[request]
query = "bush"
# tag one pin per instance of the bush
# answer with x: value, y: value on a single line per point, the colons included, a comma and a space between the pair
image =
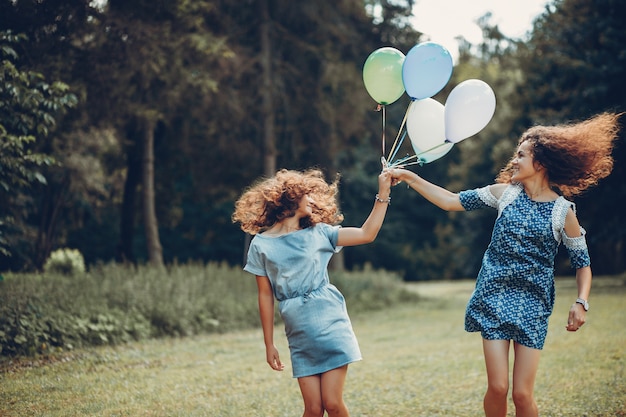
x: 112, y: 304
x: 369, y: 289
x: 65, y: 261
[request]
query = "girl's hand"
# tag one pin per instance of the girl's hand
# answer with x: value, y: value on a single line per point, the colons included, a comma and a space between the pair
x: 273, y: 359
x: 384, y: 183
x: 399, y: 175
x: 576, y: 318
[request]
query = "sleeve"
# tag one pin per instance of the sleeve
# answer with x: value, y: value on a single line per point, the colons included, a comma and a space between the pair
x: 254, y: 261
x: 477, y: 198
x: 332, y: 233
x: 577, y: 249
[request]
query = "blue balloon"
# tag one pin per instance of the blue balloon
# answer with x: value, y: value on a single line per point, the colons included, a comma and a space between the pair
x: 427, y: 68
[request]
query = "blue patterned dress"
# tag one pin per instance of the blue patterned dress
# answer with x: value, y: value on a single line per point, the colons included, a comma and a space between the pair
x: 514, y: 293
x: 313, y: 310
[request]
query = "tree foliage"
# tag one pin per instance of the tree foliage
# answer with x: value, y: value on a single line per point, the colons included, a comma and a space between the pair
x: 224, y: 90
x: 29, y: 106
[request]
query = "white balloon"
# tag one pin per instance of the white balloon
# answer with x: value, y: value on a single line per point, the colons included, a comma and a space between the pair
x: 426, y: 129
x: 469, y: 108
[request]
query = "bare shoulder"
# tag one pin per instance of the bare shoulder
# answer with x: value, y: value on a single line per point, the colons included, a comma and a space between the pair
x: 497, y: 189
x: 572, y: 226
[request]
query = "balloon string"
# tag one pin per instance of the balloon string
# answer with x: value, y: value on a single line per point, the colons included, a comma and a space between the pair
x: 432, y: 149
x: 393, y: 147
x: 398, y: 148
x: 420, y: 162
x: 384, y: 127
x: 401, y: 161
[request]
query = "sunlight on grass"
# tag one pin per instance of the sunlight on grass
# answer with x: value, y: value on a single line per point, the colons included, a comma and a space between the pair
x: 418, y: 361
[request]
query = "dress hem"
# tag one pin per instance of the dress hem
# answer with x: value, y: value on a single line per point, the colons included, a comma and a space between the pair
x: 326, y: 369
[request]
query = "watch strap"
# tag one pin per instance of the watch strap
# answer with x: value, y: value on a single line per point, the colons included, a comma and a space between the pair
x: 584, y: 303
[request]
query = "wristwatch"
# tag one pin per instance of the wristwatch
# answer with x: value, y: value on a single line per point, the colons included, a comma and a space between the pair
x: 583, y: 303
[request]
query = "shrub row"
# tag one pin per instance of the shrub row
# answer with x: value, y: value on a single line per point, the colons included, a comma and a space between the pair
x: 112, y: 304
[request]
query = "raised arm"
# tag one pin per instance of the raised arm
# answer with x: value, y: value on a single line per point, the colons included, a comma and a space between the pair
x: 437, y: 195
x: 352, y: 236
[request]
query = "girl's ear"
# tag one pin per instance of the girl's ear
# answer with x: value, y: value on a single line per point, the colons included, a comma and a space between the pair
x: 539, y: 167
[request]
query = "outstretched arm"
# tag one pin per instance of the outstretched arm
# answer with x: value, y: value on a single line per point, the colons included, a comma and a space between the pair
x: 352, y: 236
x: 437, y: 195
x: 266, y: 311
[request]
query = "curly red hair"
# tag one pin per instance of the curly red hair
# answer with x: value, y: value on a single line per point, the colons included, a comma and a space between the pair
x: 576, y: 156
x: 271, y: 200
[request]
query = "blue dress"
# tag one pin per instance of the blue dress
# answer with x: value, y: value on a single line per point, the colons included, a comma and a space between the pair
x: 514, y: 293
x: 313, y: 310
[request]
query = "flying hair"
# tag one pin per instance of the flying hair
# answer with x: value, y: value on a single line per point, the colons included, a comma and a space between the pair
x: 576, y: 155
x: 271, y: 200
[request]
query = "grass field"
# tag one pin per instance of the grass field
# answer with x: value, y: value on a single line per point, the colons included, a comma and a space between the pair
x: 418, y: 361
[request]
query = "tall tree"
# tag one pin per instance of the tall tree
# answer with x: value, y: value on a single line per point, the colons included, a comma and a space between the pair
x: 267, y: 107
x: 146, y: 57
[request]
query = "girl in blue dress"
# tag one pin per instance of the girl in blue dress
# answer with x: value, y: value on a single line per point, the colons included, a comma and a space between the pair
x: 294, y: 217
x: 514, y: 293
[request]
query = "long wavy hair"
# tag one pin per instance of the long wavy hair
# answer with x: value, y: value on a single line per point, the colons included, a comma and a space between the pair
x: 576, y: 155
x: 271, y: 200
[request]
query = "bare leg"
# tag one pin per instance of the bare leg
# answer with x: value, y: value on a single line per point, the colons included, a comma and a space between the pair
x: 332, y: 392
x: 524, y: 373
x: 497, y: 363
x: 311, y: 389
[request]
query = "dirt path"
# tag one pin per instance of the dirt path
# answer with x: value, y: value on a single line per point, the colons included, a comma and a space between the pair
x: 464, y: 288
x: 439, y: 289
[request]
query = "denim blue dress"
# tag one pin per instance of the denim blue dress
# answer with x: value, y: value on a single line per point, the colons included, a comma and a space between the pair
x: 514, y: 294
x: 317, y: 324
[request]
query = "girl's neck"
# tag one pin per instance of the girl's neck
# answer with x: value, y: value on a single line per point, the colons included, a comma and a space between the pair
x: 539, y: 190
x: 285, y: 226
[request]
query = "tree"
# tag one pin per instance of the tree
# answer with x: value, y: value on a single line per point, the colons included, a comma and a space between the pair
x: 29, y: 107
x: 162, y: 51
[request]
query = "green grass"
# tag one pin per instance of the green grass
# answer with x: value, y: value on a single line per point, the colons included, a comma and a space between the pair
x: 418, y: 361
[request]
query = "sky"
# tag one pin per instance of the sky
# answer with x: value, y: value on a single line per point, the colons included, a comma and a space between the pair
x: 443, y: 20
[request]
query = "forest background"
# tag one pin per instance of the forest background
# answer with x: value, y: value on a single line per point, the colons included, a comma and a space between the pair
x: 128, y: 128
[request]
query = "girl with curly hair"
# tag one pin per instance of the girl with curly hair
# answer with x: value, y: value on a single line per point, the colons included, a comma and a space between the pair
x: 514, y: 293
x: 294, y: 217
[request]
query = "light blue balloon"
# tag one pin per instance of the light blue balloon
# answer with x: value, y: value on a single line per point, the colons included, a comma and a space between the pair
x: 427, y: 68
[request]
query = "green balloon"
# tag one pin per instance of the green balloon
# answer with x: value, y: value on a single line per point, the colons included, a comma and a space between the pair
x: 382, y: 75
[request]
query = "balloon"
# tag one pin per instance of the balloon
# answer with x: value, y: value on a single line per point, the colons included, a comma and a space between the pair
x: 382, y: 75
x: 469, y: 108
x: 426, y: 70
x: 426, y: 129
